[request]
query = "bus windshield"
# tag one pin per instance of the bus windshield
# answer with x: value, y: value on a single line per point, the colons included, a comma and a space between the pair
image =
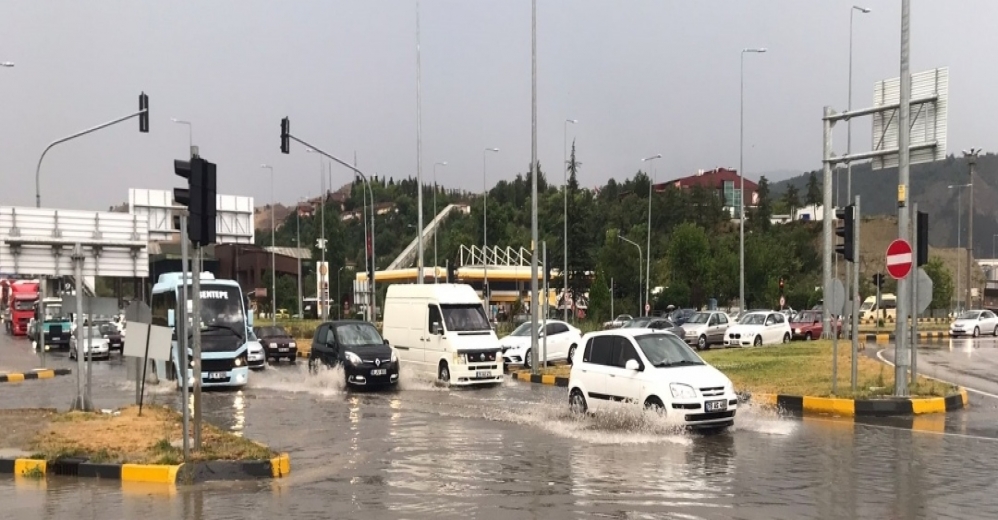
x: 221, y: 309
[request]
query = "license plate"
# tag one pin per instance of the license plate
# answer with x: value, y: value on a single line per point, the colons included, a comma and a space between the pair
x: 379, y: 372
x: 483, y: 374
x: 217, y: 375
x: 282, y: 349
x: 716, y: 406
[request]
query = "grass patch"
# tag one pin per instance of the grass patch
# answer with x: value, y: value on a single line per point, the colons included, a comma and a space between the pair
x: 806, y: 369
x: 128, y: 438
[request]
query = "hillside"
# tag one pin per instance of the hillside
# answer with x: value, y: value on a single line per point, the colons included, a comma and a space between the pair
x: 929, y: 189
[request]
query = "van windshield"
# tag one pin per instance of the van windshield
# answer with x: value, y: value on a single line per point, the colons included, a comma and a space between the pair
x: 867, y: 306
x: 468, y: 317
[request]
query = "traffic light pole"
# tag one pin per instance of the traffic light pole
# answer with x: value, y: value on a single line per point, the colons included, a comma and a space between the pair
x: 196, y: 270
x: 914, y: 292
x: 854, y: 329
x: 180, y: 323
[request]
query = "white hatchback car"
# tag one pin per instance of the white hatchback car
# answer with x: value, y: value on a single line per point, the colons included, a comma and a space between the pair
x: 92, y: 339
x: 654, y: 369
x: 759, y: 328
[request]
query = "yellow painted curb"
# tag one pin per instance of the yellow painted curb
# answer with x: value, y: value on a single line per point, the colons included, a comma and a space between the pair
x: 280, y: 466
x: 830, y: 405
x: 15, y: 378
x: 45, y: 374
x: 24, y: 466
x: 930, y: 405
x: 547, y: 379
x: 149, y: 473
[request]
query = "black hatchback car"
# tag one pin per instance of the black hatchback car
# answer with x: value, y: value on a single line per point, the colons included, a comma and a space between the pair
x: 358, y: 347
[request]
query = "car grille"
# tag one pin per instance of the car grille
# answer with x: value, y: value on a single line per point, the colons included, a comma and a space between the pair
x: 709, y: 416
x: 712, y: 391
x: 735, y: 336
x: 216, y: 365
x: 480, y: 356
x: 374, y: 361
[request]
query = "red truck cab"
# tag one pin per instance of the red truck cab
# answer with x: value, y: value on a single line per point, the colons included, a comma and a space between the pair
x: 22, y: 298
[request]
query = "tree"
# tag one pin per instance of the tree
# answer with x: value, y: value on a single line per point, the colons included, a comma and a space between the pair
x: 813, y: 192
x: 792, y: 200
x: 599, y: 299
x: 764, y: 208
x: 690, y: 261
x: 942, y: 284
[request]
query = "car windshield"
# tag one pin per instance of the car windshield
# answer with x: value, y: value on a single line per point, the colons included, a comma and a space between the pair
x: 969, y: 315
x: 267, y: 332
x: 522, y: 330
x: 804, y: 317
x: 358, y: 335
x: 86, y: 332
x: 753, y: 319
x: 107, y: 328
x: 700, y: 317
x: 468, y: 317
x: 666, y: 350
x: 637, y: 323
x: 23, y: 305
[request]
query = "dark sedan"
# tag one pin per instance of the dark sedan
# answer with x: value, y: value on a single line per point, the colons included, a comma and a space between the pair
x: 655, y: 324
x: 277, y: 343
x: 110, y: 332
x: 365, y: 356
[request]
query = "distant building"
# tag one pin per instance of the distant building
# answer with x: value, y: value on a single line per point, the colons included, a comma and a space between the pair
x: 725, y: 182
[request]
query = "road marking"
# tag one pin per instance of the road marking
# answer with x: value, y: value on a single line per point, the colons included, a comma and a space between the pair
x: 880, y: 356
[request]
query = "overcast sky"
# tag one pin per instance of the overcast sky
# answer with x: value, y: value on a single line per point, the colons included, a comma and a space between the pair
x: 642, y: 77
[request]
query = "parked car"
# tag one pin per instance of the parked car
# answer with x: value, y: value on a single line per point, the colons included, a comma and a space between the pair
x: 681, y: 316
x: 705, y: 329
x: 974, y: 323
x: 653, y: 369
x: 618, y: 322
x: 367, y: 358
x: 277, y: 343
x: 256, y: 356
x: 742, y: 314
x: 807, y: 325
x: 562, y: 341
x: 759, y: 328
x: 655, y: 324
x: 93, y: 343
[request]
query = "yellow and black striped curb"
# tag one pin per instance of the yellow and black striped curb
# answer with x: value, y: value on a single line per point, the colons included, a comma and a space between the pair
x: 888, y: 406
x: 276, y: 467
x: 35, y: 374
x: 541, y: 379
x: 889, y: 338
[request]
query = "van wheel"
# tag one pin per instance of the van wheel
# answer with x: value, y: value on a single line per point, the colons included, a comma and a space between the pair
x: 577, y: 401
x: 758, y: 341
x: 654, y: 404
x: 702, y: 343
x: 443, y: 373
x: 571, y: 350
x: 786, y: 338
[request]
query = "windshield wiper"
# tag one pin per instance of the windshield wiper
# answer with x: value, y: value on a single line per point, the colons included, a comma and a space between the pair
x: 219, y: 326
x: 677, y: 363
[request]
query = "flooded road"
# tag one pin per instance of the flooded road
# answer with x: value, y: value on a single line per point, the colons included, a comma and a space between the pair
x: 513, y: 451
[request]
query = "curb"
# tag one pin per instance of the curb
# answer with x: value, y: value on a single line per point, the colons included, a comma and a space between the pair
x: 541, y: 379
x: 889, y: 338
x: 197, y: 472
x: 40, y: 373
x: 801, y: 405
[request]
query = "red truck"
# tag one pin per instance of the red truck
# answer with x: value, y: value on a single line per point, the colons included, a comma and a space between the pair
x: 23, y: 295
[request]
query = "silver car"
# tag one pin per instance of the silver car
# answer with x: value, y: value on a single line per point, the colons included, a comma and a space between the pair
x: 93, y: 342
x: 705, y: 329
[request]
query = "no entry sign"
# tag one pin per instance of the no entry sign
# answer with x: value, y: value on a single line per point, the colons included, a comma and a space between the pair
x: 899, y: 259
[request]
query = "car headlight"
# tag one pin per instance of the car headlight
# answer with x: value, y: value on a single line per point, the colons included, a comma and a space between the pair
x: 395, y: 357
x: 352, y: 358
x: 292, y: 344
x: 239, y: 362
x: 105, y: 336
x: 460, y: 359
x: 681, y: 391
x: 796, y: 331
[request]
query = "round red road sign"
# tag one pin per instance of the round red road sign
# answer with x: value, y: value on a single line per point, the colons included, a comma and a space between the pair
x: 899, y: 259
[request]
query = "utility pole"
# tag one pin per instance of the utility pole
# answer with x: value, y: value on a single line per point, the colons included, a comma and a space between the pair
x: 534, y: 301
x: 904, y: 145
x: 419, y: 161
x: 971, y: 156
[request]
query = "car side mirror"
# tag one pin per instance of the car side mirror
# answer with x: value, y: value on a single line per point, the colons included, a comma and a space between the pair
x: 386, y: 341
x: 436, y: 328
x: 632, y: 364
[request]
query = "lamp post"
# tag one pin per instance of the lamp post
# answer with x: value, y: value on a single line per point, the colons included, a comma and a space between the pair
x: 339, y: 294
x: 564, y: 274
x: 971, y: 156
x: 635, y: 244
x: 273, y: 262
x: 435, y: 264
x: 485, y: 230
x: 959, y: 227
x: 852, y: 12
x: 190, y: 133
x: 298, y: 254
x: 651, y: 186
x: 741, y: 176
x: 7, y: 64
x: 323, y: 302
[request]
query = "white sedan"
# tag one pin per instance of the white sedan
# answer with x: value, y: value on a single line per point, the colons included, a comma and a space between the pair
x: 759, y: 328
x: 92, y: 339
x: 562, y: 341
x: 974, y: 323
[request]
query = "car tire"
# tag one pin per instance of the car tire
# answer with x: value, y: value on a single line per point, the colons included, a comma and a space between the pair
x: 313, y: 365
x: 571, y: 350
x: 757, y: 342
x: 702, y: 343
x: 654, y: 404
x: 443, y: 372
x: 526, y: 359
x: 996, y: 331
x: 577, y: 402
x: 786, y: 338
x: 807, y: 336
x: 977, y: 331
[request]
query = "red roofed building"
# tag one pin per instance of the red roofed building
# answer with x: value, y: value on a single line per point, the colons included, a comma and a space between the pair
x: 726, y: 183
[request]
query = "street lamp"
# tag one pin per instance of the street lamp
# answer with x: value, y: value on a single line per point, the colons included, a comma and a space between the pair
x: 8, y: 64
x: 635, y: 244
x: 741, y: 175
x: 298, y: 254
x: 435, y: 264
x: 651, y: 186
x: 273, y: 263
x: 958, y: 230
x: 323, y: 302
x: 564, y: 274
x: 971, y: 156
x: 485, y: 231
x: 852, y: 12
x: 190, y: 132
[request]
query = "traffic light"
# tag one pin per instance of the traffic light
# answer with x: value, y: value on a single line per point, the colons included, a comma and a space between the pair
x: 199, y: 197
x: 144, y: 116
x: 844, y: 228
x: 781, y: 285
x: 922, y: 238
x: 285, y: 135
x: 878, y: 280
x: 209, y: 208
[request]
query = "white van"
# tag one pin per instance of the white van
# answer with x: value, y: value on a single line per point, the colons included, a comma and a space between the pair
x: 443, y: 329
x: 887, y: 309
